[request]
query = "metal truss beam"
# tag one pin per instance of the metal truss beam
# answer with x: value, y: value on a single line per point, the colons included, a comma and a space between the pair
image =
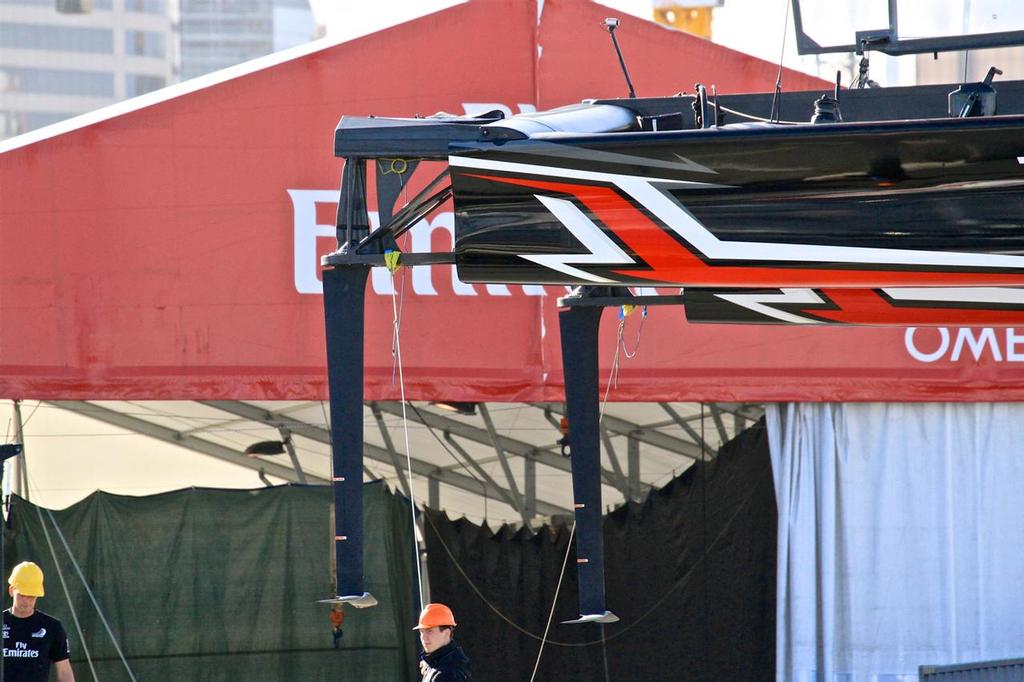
x: 633, y: 466
x: 378, y: 454
x: 480, y: 471
x: 180, y: 439
x: 685, y: 426
x: 392, y: 453
x: 513, y: 489
x: 478, y: 435
x: 742, y: 413
x: 286, y: 439
x: 716, y: 416
x: 433, y: 492
x: 623, y: 484
x: 530, y: 473
x: 643, y: 434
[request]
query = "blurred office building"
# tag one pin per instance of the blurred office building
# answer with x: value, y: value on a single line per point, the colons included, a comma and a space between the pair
x: 216, y: 34
x: 61, y: 58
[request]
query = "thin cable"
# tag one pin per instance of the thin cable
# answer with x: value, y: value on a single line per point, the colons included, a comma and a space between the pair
x: 401, y: 296
x: 704, y: 534
x: 67, y: 595
x: 760, y: 119
x: 620, y: 345
x: 639, y: 331
x: 613, y: 378
x: 777, y: 112
x: 604, y: 653
x: 92, y: 597
x: 613, y: 374
x: 397, y: 324
x: 405, y: 429
x: 60, y: 573
x: 401, y: 299
x: 85, y: 405
x: 568, y: 548
x: 327, y: 422
x: 29, y: 417
x: 682, y: 582
x: 554, y: 602
x: 484, y: 599
x: 447, y: 449
x: 544, y: 638
x: 966, y: 24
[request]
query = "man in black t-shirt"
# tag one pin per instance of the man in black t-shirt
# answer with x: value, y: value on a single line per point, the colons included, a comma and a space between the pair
x: 32, y: 639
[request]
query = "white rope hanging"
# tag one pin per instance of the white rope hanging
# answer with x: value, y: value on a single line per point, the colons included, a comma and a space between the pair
x: 397, y: 350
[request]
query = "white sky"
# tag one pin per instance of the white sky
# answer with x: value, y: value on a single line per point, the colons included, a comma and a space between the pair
x: 751, y: 26
x: 345, y: 20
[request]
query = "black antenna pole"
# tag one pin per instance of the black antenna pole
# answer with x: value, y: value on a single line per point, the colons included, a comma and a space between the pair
x: 611, y: 23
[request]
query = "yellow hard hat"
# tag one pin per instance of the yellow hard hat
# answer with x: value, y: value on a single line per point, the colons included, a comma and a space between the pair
x: 27, y: 579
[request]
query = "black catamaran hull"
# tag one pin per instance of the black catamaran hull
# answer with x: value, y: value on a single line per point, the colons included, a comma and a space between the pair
x: 875, y: 223
x: 910, y: 216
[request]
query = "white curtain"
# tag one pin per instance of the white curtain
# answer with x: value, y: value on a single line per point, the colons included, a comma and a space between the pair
x: 901, y: 537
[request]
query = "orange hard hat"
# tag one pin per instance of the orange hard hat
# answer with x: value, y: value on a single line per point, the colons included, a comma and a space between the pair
x: 435, y: 615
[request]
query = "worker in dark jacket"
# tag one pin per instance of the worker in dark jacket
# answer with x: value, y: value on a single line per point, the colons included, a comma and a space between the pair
x: 442, y: 659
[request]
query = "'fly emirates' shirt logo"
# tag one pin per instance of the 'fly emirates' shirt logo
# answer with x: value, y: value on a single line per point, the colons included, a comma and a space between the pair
x: 20, y: 650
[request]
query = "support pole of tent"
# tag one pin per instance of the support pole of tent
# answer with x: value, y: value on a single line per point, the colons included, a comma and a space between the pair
x: 344, y: 296
x: 19, y: 467
x: 579, y: 327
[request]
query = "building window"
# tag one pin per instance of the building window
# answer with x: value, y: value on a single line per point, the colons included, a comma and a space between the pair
x: 49, y: 4
x: 12, y: 123
x: 59, y: 82
x: 17, y: 122
x: 144, y: 43
x: 64, y: 38
x: 38, y: 119
x: 147, y: 6
x: 136, y: 84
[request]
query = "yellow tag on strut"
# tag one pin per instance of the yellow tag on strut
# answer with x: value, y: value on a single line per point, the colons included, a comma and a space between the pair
x: 392, y: 260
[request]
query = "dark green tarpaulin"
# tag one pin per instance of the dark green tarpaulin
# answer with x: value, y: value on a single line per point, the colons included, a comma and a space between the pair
x: 222, y: 585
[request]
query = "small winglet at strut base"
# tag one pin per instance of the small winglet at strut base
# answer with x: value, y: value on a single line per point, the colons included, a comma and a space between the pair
x: 606, y: 617
x: 360, y: 601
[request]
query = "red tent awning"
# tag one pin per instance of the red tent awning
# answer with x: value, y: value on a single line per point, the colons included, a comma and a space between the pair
x: 171, y: 251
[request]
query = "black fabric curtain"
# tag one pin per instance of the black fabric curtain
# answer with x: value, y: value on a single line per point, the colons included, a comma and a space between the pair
x: 222, y: 585
x: 690, y: 572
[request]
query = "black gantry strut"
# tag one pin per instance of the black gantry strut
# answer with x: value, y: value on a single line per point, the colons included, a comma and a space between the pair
x: 344, y: 315
x: 345, y: 274
x: 578, y: 327
x: 344, y: 295
x: 344, y: 278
